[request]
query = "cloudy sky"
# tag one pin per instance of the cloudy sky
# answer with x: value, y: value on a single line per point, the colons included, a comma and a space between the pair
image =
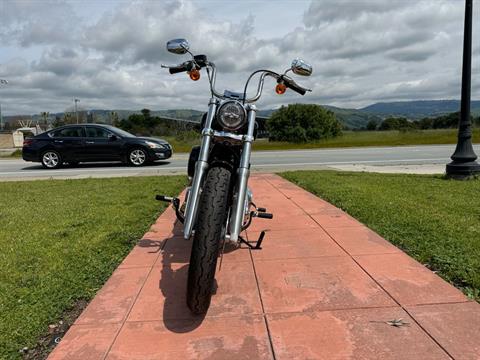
x: 108, y: 53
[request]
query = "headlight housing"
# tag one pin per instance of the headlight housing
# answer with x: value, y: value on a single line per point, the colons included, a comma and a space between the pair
x: 154, y: 145
x: 231, y: 115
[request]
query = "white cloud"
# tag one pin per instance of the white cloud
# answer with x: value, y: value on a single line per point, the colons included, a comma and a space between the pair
x: 361, y: 51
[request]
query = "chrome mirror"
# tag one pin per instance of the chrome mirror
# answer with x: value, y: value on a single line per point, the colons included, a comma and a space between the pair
x: 300, y: 67
x: 178, y: 46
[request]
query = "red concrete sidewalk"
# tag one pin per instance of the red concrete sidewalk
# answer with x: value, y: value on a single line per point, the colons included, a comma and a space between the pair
x: 323, y: 287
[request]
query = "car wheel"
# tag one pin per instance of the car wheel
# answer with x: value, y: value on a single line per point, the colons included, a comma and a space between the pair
x: 137, y: 157
x: 51, y: 159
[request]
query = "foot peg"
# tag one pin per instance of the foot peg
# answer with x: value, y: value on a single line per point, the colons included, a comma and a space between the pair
x: 263, y: 215
x: 261, y: 212
x: 175, y: 203
x: 254, y: 245
x: 258, y: 212
x: 164, y: 198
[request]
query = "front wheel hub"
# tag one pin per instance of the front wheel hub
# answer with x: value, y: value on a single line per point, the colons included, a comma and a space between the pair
x: 137, y: 157
x: 50, y: 159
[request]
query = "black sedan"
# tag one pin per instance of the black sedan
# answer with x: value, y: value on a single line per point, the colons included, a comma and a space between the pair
x: 93, y: 142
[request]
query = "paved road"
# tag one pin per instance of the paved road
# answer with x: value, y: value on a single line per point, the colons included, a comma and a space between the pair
x: 262, y: 161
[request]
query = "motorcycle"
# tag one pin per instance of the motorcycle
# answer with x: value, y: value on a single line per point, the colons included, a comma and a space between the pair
x: 218, y: 203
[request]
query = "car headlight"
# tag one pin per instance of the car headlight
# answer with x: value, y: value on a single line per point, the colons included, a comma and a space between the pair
x: 231, y: 115
x: 153, y: 145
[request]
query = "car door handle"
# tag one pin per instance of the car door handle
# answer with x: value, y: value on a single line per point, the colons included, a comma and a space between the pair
x: 90, y: 142
x: 58, y: 141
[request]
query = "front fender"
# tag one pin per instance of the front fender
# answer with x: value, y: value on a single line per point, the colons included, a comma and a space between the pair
x: 227, y: 156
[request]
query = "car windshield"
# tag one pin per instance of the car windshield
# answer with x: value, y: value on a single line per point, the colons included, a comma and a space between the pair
x: 120, y: 132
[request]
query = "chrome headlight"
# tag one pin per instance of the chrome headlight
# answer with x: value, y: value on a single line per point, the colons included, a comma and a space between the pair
x: 231, y: 115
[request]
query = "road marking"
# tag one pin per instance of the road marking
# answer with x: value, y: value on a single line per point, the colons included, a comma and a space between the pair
x: 79, y: 171
x: 365, y: 149
x: 42, y: 172
x: 351, y: 162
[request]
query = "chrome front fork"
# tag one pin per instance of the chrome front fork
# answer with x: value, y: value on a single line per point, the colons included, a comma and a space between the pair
x: 238, y: 207
x: 200, y: 170
x: 201, y: 167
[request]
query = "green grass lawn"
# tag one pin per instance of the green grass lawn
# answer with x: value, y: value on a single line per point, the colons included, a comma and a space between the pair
x: 352, y: 139
x: 437, y: 221
x: 59, y: 242
x: 16, y: 154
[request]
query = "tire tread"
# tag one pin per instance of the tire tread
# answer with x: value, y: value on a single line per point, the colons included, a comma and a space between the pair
x: 211, y: 218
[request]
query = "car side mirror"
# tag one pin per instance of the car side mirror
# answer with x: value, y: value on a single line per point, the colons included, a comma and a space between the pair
x: 112, y: 137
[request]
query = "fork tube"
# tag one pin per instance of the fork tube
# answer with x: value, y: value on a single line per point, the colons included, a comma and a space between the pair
x: 243, y: 174
x: 200, y: 170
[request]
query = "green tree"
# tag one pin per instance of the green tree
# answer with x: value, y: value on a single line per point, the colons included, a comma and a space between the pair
x: 58, y: 121
x: 45, y: 115
x: 113, y: 118
x: 425, y: 123
x: 146, y: 113
x: 148, y: 125
x: 371, y: 125
x: 302, y: 123
x: 447, y: 121
x: 69, y: 118
x: 394, y: 123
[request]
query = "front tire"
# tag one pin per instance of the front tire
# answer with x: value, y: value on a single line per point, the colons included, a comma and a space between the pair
x: 137, y: 157
x: 51, y: 159
x: 210, y: 228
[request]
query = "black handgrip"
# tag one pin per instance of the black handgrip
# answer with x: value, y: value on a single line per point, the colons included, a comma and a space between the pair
x: 178, y: 69
x: 264, y: 215
x: 294, y: 86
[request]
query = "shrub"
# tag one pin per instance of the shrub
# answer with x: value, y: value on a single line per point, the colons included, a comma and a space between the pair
x: 301, y: 123
x: 187, y: 136
x: 399, y: 123
x: 371, y: 125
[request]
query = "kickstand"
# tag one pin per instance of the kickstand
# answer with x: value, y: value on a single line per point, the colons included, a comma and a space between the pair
x: 254, y: 245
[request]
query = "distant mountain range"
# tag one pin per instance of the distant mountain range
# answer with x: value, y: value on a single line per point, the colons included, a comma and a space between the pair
x: 413, y: 110
x: 351, y: 118
x: 417, y: 109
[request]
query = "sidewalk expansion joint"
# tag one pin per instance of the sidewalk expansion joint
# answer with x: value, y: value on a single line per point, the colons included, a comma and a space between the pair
x: 261, y: 304
x: 368, y: 274
x: 133, y: 303
x: 128, y: 314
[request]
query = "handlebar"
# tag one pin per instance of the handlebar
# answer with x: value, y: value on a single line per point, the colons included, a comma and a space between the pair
x: 200, y: 61
x: 291, y: 84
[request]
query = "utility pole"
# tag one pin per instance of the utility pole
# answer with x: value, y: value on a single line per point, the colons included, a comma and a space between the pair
x: 2, y: 82
x: 463, y: 163
x: 76, y: 113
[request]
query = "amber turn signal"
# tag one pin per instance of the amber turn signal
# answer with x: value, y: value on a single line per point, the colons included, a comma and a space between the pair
x: 280, y: 89
x: 194, y: 74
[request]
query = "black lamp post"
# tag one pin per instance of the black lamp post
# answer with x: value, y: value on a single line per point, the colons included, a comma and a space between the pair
x: 463, y: 163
